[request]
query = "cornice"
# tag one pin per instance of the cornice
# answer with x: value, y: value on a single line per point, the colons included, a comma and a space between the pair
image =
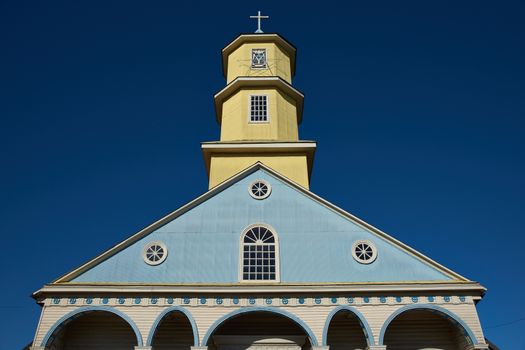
x: 473, y: 288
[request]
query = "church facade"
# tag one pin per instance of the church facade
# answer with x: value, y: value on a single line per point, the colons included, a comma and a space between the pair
x: 259, y: 261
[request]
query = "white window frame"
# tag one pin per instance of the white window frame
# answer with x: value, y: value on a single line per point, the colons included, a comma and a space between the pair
x: 250, y: 121
x: 277, y: 256
x: 265, y: 55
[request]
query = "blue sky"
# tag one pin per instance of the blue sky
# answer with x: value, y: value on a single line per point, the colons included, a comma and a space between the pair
x: 418, y: 108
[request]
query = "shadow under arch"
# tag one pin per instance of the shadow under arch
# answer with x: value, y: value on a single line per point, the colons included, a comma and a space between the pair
x: 362, y: 321
x: 64, y: 320
x: 253, y: 309
x: 449, y: 315
x: 165, y: 313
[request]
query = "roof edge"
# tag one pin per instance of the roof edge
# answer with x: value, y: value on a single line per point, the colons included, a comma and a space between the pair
x: 217, y: 189
x: 366, y: 287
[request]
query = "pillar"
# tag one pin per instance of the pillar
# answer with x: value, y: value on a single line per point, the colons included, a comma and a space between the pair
x: 376, y: 347
x: 479, y: 346
x: 142, y: 347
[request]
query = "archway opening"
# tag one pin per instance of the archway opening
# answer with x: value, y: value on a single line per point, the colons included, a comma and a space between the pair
x: 345, y: 332
x: 259, y: 330
x: 174, y: 332
x: 93, y: 330
x: 424, y: 329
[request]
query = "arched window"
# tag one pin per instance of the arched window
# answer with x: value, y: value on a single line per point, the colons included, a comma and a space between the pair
x: 259, y: 254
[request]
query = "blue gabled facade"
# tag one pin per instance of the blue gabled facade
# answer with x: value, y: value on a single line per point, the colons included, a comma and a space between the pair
x: 314, y: 241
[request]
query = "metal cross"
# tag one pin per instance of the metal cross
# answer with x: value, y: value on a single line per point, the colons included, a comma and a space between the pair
x: 259, y: 17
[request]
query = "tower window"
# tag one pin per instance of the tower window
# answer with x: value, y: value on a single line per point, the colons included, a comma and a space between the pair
x: 259, y: 255
x: 259, y: 58
x: 258, y: 108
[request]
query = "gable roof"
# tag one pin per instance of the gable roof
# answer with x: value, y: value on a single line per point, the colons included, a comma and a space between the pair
x: 455, y: 277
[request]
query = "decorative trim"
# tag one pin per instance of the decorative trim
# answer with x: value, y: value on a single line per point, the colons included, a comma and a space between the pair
x: 87, y: 309
x: 167, y: 311
x: 260, y: 300
x: 241, y: 311
x: 362, y: 321
x: 447, y: 314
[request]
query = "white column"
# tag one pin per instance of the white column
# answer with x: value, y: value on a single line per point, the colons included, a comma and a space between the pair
x: 478, y: 347
x: 37, y: 348
x: 198, y: 348
x: 142, y: 347
x: 376, y: 347
x: 320, y: 347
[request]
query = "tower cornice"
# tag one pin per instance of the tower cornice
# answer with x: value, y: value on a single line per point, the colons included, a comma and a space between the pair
x: 257, y: 147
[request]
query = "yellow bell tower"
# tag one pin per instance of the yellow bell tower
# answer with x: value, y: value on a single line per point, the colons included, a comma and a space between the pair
x: 259, y: 111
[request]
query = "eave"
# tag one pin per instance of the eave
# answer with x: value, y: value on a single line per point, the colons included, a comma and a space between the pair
x: 466, y: 287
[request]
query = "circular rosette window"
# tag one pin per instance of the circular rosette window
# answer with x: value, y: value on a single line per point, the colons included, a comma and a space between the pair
x: 259, y: 189
x: 154, y: 253
x: 364, y: 252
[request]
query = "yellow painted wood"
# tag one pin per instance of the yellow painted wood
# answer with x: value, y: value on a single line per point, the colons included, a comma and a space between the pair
x: 284, y: 108
x: 293, y: 166
x: 239, y: 62
x: 281, y: 124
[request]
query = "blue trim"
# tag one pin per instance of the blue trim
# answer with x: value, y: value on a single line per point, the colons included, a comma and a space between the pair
x: 362, y: 321
x: 433, y: 308
x: 164, y: 314
x: 87, y: 309
x: 244, y: 310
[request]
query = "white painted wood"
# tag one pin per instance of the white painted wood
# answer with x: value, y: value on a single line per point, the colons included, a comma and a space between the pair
x: 313, y: 315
